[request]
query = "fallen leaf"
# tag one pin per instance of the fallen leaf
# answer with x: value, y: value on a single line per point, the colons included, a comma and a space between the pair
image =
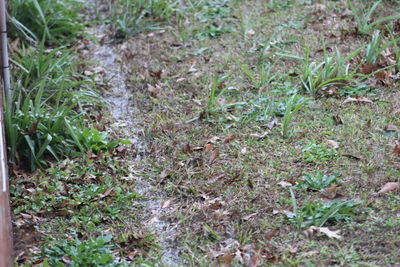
x: 360, y: 99
x: 166, y: 204
x: 389, y: 187
x: 107, y: 193
x: 390, y: 128
x: 19, y: 222
x: 260, y: 136
x: 255, y: 259
x: 225, y: 260
x: 285, y: 184
x: 155, y: 91
x: 332, y: 143
x: 214, y: 156
x: 229, y: 139
x: 337, y: 119
x: 247, y: 217
x: 208, y: 147
x: 213, y: 140
x: 187, y: 149
x: 331, y: 189
x: 250, y: 32
x: 273, y: 124
x: 324, y: 230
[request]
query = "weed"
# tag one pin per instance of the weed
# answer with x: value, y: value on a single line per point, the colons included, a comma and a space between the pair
x: 363, y: 17
x: 45, y: 105
x: 129, y: 17
x: 212, y: 31
x: 260, y: 78
x: 318, y: 77
x: 293, y: 106
x: 318, y: 153
x: 318, y: 181
x: 93, y: 252
x: 320, y: 214
x: 374, y: 48
x: 54, y: 21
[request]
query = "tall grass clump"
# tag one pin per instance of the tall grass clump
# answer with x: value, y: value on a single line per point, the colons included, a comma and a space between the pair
x: 363, y: 16
x: 45, y: 118
x: 55, y: 21
x: 333, y: 70
x: 129, y: 17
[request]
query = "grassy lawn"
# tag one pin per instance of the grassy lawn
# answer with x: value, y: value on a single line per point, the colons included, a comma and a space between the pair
x: 267, y: 130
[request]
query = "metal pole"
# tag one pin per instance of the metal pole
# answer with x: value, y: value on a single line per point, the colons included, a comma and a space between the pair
x: 6, y: 244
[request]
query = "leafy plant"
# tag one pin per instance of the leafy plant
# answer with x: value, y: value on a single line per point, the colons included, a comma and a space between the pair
x: 321, y: 214
x: 54, y: 21
x: 92, y: 252
x: 212, y: 31
x: 293, y: 106
x: 259, y: 78
x: 129, y: 17
x: 374, y: 48
x: 318, y: 181
x: 318, y: 153
x: 333, y: 70
x: 364, y: 15
x: 44, y: 103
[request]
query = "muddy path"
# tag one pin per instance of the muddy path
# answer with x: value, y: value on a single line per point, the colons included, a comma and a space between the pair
x: 110, y: 66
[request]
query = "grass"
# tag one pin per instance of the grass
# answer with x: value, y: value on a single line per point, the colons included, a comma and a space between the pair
x: 233, y: 121
x: 251, y: 166
x: 53, y: 21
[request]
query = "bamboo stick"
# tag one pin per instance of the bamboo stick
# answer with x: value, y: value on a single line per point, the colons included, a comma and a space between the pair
x: 6, y: 245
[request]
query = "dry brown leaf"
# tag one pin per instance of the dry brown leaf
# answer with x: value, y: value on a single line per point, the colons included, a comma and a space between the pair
x: 208, y: 147
x: 324, y: 230
x: 255, y: 259
x: 285, y: 184
x: 390, y: 128
x: 107, y: 193
x: 166, y: 203
x: 213, y: 140
x: 225, y: 260
x: 389, y: 187
x: 396, y: 149
x: 214, y: 156
x: 360, y: 99
x: 332, y: 143
x: 229, y: 139
x: 155, y: 91
x: 337, y: 119
x: 247, y: 217
x: 187, y: 149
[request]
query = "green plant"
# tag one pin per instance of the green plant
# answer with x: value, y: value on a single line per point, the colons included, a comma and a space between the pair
x: 317, y: 77
x: 129, y: 17
x: 363, y: 17
x: 321, y: 214
x: 212, y: 31
x: 293, y: 105
x: 54, y: 21
x: 92, y: 252
x: 318, y: 153
x: 215, y: 93
x: 318, y: 181
x: 45, y: 101
x: 374, y: 48
x: 259, y: 78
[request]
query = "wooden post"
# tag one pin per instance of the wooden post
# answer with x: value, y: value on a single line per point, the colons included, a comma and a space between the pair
x: 6, y: 244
